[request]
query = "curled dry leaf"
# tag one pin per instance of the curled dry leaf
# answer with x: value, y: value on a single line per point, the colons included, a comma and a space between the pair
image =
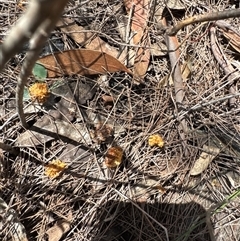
x: 156, y: 140
x: 54, y: 168
x: 82, y: 62
x: 113, y: 158
x: 201, y: 164
x: 39, y: 92
x: 234, y: 39
x: 56, y: 232
x: 86, y: 38
x: 138, y: 26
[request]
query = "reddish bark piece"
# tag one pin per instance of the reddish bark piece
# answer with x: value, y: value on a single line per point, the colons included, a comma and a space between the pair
x: 82, y: 62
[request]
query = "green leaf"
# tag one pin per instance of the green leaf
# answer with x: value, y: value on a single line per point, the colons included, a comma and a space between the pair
x: 39, y: 72
x: 26, y: 95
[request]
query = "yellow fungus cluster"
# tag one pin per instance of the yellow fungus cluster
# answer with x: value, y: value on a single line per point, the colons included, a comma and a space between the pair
x: 54, y: 168
x: 39, y: 92
x: 113, y: 157
x: 156, y: 140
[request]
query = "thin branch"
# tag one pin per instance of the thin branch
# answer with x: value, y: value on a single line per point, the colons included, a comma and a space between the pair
x: 224, y: 63
x: 37, y: 12
x: 172, y: 45
x: 234, y: 13
x: 37, y: 23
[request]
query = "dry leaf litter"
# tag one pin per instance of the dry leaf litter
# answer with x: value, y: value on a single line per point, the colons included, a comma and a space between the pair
x: 150, y: 194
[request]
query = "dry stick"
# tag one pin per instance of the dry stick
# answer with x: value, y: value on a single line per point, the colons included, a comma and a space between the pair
x: 37, y: 23
x: 37, y: 12
x: 224, y: 63
x: 203, y: 18
x: 172, y: 44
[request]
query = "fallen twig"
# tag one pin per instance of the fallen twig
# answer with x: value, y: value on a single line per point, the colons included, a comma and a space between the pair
x: 224, y: 63
x: 203, y: 18
x: 36, y: 24
x: 172, y: 45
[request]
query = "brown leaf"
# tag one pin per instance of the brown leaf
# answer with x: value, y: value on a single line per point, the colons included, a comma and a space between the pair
x: 142, y: 59
x: 206, y: 157
x: 86, y: 38
x: 139, y: 18
x: 56, y: 232
x: 82, y: 62
x: 138, y: 26
x: 234, y: 39
x: 77, y: 33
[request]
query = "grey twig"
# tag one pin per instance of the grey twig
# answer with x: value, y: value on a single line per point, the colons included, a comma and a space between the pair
x: 172, y: 45
x: 224, y: 63
x: 36, y: 25
x: 233, y: 13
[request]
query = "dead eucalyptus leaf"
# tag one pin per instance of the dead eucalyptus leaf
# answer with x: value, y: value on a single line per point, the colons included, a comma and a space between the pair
x: 207, y: 155
x: 82, y: 62
x: 158, y: 49
x: 49, y: 129
x: 138, y: 26
x: 56, y: 232
x: 234, y: 39
x: 86, y: 38
x: 185, y: 70
x: 175, y: 4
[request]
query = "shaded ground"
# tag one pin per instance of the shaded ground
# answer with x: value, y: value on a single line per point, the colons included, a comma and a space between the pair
x: 121, y: 204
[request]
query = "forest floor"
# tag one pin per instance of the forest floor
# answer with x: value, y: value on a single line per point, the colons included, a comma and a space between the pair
x: 116, y: 184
